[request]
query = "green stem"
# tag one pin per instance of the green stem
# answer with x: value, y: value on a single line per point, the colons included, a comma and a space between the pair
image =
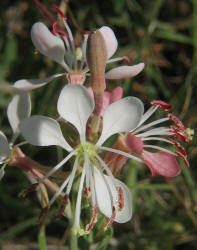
x: 42, y: 238
x: 73, y: 241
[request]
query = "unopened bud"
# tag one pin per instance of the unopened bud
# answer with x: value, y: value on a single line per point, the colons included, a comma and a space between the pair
x: 97, y: 58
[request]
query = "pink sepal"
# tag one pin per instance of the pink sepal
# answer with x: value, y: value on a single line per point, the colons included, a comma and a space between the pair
x: 134, y: 143
x: 162, y: 163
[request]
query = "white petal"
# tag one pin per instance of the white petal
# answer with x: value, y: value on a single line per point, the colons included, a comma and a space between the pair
x: 75, y: 105
x: 110, y: 40
x: 4, y: 147
x: 18, y: 109
x: 43, y: 131
x: 124, y: 72
x: 30, y: 84
x: 48, y: 44
x: 103, y: 197
x: 121, y: 116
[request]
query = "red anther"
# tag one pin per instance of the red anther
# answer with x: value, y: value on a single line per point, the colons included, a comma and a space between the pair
x: 56, y: 8
x: 87, y: 32
x: 178, y: 145
x: 180, y: 134
x: 183, y: 157
x: 126, y: 59
x: 62, y: 208
x: 43, y: 213
x: 176, y: 120
x: 56, y: 30
x: 120, y: 198
x: 94, y: 218
x: 111, y: 220
x: 162, y: 105
x: 30, y: 189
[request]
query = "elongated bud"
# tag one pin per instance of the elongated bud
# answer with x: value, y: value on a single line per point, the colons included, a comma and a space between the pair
x: 96, y: 59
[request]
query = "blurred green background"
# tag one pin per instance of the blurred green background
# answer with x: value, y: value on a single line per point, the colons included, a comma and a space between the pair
x: 161, y: 33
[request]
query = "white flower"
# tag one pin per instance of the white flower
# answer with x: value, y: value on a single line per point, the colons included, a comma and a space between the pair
x: 18, y: 109
x: 75, y: 105
x: 62, y: 50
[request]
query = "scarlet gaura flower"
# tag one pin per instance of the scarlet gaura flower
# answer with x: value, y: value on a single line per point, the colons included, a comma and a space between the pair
x: 164, y: 162
x: 60, y: 47
x: 75, y: 105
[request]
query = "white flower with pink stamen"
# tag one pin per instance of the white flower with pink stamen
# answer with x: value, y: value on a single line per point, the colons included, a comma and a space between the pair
x: 163, y: 163
x: 75, y: 105
x: 61, y: 48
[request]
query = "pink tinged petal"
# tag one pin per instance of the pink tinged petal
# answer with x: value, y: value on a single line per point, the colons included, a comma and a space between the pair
x: 4, y: 147
x: 116, y: 94
x: 162, y: 163
x: 104, y: 201
x: 121, y: 116
x: 43, y: 131
x: 106, y: 102
x: 122, y: 72
x: 110, y: 40
x: 110, y: 97
x: 18, y: 109
x: 135, y: 144
x: 30, y: 84
x: 75, y: 105
x: 48, y: 44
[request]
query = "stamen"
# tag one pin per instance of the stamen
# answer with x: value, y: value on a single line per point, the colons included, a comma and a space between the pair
x: 121, y: 153
x: 147, y: 114
x: 159, y: 148
x: 56, y: 30
x: 30, y: 189
x: 183, y: 157
x: 56, y: 8
x: 162, y: 105
x: 180, y: 134
x: 111, y: 220
x: 93, y: 219
x: 116, y: 59
x: 62, y: 208
x: 126, y: 59
x: 179, y: 146
x: 79, y: 198
x: 43, y: 213
x: 120, y: 198
x: 155, y: 131
x: 145, y: 127
x: 57, y: 167
x: 176, y: 120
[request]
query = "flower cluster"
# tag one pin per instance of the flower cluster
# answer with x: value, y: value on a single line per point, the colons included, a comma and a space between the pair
x: 93, y: 163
